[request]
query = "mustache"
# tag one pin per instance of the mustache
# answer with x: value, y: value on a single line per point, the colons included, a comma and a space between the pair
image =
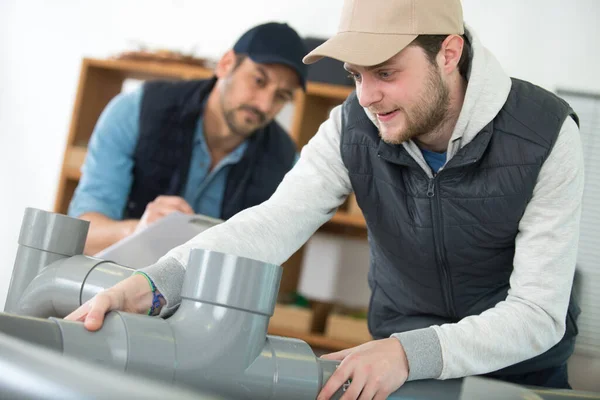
x: 261, y: 116
x: 383, y: 111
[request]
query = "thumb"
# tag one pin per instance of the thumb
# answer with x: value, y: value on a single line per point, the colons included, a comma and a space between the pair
x: 98, y: 309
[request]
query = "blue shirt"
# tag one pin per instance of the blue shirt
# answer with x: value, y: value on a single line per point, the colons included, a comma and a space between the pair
x: 434, y: 160
x: 107, y: 171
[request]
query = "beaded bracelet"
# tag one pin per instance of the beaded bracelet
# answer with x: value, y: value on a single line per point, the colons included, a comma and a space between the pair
x: 155, y: 296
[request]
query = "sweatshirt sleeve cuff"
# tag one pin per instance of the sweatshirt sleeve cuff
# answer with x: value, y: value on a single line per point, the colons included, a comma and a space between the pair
x: 424, y: 353
x: 167, y: 274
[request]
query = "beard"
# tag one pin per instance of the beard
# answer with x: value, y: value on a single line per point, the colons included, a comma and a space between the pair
x: 239, y: 124
x: 428, y: 113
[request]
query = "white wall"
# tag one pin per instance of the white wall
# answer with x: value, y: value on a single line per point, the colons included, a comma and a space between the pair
x: 549, y: 42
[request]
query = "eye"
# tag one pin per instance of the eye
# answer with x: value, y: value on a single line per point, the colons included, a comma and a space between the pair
x: 259, y: 81
x: 385, y: 74
x: 354, y: 77
x: 282, y: 97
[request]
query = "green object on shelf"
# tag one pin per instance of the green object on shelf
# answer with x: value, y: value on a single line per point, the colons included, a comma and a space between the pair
x: 301, y: 301
x: 358, y: 315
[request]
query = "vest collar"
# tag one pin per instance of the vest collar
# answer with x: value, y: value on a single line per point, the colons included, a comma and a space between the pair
x: 469, y: 154
x: 193, y: 105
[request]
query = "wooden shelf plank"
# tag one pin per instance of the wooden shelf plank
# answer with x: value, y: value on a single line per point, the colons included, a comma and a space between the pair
x: 345, y: 219
x: 320, y: 89
x: 315, y: 340
x: 151, y: 69
x: 146, y: 69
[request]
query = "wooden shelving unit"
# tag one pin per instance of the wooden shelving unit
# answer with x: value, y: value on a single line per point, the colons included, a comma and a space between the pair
x: 101, y: 79
x: 315, y: 340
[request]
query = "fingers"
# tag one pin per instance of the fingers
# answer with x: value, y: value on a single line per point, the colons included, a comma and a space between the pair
x: 174, y: 203
x: 356, y: 387
x: 161, y: 207
x: 155, y: 212
x: 381, y: 395
x: 369, y: 392
x: 337, y: 379
x: 80, y: 313
x: 133, y: 294
x: 339, y: 355
x: 375, y: 368
x: 92, y: 312
x: 98, y: 307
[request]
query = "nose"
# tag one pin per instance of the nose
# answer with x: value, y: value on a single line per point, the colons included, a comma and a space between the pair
x: 264, y: 101
x: 368, y: 92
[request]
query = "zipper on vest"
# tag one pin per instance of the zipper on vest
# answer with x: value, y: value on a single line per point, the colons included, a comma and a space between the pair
x: 438, y: 238
x: 431, y: 188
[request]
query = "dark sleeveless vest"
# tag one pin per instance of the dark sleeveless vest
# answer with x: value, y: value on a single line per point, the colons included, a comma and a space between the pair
x: 168, y: 118
x: 442, y: 249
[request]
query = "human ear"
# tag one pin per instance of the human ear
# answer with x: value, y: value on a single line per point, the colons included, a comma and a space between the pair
x: 226, y: 64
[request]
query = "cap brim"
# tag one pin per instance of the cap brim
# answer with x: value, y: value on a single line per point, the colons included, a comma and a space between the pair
x: 359, y: 48
x: 273, y: 59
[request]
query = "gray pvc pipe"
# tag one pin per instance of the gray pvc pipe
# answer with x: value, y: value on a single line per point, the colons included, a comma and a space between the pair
x: 28, y: 264
x: 227, y: 301
x: 44, y: 238
x: 64, y: 285
x: 216, y: 341
x: 53, y: 232
x: 33, y: 372
x: 102, y: 276
x: 238, y: 296
x: 41, y: 332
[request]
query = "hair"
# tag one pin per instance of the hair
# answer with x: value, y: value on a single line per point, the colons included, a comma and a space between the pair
x: 431, y: 45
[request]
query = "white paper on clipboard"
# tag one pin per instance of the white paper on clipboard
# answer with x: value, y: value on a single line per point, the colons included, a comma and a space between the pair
x: 145, y: 247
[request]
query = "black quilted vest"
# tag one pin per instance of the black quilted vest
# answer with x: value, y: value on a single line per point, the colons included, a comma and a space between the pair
x: 168, y: 117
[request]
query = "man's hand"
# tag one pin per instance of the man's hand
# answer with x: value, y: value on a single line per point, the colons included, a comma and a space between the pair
x: 377, y: 369
x: 133, y: 295
x: 161, y: 207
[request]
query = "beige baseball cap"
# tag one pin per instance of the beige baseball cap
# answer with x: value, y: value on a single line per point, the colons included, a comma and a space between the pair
x: 373, y: 31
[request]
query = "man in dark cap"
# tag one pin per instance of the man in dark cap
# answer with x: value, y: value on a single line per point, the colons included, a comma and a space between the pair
x: 210, y: 147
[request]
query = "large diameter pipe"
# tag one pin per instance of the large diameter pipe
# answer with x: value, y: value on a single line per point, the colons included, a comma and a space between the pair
x: 64, y: 285
x: 34, y: 372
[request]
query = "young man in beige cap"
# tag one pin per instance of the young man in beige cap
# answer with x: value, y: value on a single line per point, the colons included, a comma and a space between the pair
x: 471, y: 185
